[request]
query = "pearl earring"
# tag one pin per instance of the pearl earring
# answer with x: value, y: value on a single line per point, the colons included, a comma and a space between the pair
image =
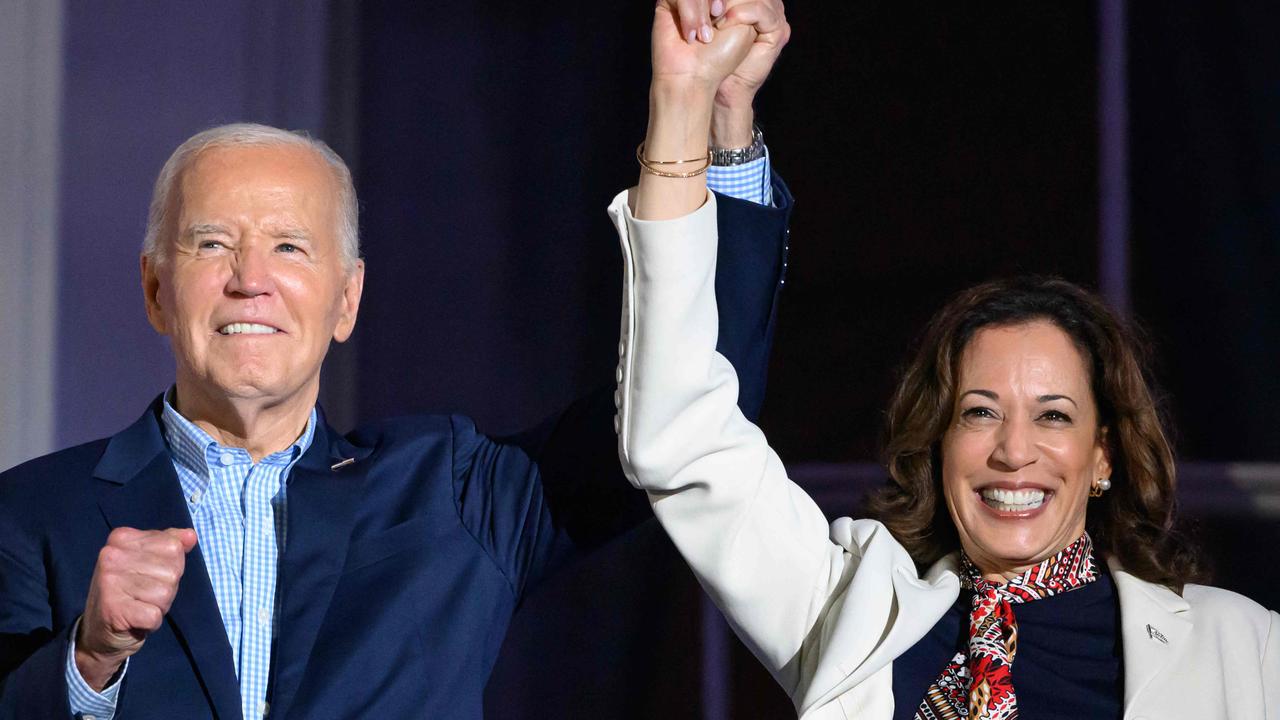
x: 1100, y: 486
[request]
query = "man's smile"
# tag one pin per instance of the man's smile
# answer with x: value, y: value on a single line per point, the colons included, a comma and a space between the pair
x: 247, y: 328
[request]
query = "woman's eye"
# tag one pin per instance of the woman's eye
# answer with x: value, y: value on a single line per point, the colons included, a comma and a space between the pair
x: 210, y: 244
x: 978, y: 412
x: 1056, y: 416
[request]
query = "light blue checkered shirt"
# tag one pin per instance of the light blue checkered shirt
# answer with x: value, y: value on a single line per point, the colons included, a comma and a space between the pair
x: 238, y: 510
x: 748, y: 181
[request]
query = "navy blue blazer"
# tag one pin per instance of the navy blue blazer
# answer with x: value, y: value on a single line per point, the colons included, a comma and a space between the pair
x: 402, y: 568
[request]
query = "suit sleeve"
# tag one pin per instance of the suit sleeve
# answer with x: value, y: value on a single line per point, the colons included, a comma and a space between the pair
x: 557, y: 488
x: 32, y: 655
x: 754, y: 242
x: 501, y: 502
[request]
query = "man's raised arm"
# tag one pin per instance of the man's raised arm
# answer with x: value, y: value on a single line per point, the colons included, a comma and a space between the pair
x: 576, y: 496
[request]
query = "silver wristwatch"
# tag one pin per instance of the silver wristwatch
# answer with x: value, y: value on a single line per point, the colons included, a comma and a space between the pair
x: 741, y: 155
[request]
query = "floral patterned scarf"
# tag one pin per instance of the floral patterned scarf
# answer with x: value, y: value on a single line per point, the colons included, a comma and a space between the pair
x: 978, y: 682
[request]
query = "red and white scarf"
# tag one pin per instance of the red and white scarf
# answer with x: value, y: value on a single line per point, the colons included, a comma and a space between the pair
x: 978, y: 682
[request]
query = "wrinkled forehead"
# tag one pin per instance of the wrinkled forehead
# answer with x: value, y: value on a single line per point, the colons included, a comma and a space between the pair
x: 280, y: 185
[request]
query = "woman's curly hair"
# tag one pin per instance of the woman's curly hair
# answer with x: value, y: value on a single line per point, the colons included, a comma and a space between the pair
x: 1134, y: 521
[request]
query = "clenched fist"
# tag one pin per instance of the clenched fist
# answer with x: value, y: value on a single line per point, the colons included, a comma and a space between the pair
x: 133, y: 586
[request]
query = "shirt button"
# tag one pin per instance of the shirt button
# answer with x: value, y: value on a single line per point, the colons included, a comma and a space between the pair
x: 617, y: 375
x: 617, y: 398
x: 617, y: 424
x: 89, y: 717
x: 264, y: 616
x: 263, y: 708
x: 622, y: 349
x: 196, y: 496
x: 226, y: 458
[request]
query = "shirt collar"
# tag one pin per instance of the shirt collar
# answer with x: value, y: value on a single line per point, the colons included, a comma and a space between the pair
x: 191, y: 447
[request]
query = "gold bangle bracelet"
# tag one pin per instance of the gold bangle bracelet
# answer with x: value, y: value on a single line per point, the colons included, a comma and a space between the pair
x: 648, y: 165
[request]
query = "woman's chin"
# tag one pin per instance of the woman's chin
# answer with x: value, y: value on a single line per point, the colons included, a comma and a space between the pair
x: 1013, y: 544
x: 1007, y: 539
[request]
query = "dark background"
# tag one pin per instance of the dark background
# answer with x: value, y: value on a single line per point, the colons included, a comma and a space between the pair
x: 929, y: 146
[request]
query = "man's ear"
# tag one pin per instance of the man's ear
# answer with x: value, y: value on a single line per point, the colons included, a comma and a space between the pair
x: 151, y: 293
x: 352, y: 290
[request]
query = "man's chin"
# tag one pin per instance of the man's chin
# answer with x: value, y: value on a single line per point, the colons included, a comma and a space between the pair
x: 248, y: 382
x: 253, y: 388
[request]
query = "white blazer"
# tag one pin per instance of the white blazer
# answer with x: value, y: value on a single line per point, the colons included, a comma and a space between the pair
x: 827, y: 607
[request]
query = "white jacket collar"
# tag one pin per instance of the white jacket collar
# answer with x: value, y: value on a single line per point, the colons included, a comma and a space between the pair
x: 1154, y: 622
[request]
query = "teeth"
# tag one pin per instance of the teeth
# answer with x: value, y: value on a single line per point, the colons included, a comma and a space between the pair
x: 246, y: 329
x: 1011, y: 500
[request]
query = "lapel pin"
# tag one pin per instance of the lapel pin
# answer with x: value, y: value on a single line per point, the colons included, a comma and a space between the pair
x: 343, y: 463
x: 1155, y: 634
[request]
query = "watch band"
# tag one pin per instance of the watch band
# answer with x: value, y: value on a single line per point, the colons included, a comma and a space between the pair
x: 741, y: 155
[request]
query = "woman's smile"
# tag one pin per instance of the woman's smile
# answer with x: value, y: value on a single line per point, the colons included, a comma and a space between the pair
x: 1014, y: 503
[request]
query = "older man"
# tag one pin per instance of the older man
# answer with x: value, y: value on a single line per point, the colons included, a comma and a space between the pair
x: 230, y: 555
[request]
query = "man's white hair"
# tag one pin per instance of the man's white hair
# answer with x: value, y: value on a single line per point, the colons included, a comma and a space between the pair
x: 249, y: 135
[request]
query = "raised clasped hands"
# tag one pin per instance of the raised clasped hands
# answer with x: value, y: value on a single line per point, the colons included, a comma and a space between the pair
x: 725, y: 46
x: 709, y: 59
x: 701, y: 63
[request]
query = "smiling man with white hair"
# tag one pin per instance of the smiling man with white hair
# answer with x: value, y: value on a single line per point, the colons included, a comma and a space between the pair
x: 229, y: 554
x: 251, y: 268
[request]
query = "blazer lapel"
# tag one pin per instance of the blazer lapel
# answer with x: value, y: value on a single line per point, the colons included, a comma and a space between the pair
x: 324, y: 489
x: 143, y: 492
x: 1154, y: 622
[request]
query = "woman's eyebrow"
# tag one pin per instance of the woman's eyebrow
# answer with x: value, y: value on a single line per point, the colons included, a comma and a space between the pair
x: 1051, y: 398
x: 995, y: 397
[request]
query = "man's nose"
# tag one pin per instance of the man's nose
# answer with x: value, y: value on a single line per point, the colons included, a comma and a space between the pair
x: 251, y: 273
x: 1015, y: 447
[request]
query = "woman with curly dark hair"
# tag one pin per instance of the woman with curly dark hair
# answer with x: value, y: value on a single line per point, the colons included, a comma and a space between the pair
x: 1022, y: 560
x: 1131, y: 516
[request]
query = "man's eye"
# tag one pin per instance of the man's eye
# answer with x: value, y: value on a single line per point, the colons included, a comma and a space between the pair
x: 210, y: 244
x: 287, y: 248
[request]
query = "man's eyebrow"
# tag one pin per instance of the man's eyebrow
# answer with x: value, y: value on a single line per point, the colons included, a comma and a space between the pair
x: 207, y: 229
x: 291, y: 233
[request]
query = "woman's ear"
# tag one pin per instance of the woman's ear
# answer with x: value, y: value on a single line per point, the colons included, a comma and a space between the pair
x: 1102, y: 454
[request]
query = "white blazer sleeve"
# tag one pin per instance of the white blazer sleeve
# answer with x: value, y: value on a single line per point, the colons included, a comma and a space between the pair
x: 756, y: 541
x: 1271, y: 668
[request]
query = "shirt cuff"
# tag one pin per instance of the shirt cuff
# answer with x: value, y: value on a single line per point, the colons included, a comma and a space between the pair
x: 85, y: 702
x: 748, y: 181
